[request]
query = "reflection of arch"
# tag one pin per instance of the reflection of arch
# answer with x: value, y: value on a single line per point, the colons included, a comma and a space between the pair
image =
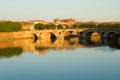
x: 41, y: 50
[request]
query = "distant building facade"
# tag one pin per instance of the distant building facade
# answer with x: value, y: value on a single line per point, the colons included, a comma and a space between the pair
x: 65, y: 21
x: 25, y: 25
x: 38, y: 21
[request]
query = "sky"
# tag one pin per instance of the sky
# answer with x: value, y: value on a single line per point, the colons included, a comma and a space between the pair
x: 81, y: 10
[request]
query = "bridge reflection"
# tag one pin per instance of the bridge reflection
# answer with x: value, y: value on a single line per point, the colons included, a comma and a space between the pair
x: 16, y: 47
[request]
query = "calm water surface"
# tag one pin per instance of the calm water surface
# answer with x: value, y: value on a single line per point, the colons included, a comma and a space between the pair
x: 61, y: 60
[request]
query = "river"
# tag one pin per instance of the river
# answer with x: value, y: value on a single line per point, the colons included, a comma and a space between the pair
x: 73, y: 59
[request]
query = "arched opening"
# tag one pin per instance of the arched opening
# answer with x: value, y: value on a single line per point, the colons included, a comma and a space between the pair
x: 35, y: 37
x: 119, y: 41
x: 113, y: 39
x: 49, y: 37
x: 70, y: 34
x: 103, y: 33
x: 95, y: 37
x: 32, y: 36
x: 66, y: 33
x: 92, y: 37
x: 53, y: 37
x: 110, y: 35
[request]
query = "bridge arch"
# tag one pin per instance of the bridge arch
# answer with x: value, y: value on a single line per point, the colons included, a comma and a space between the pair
x: 69, y: 32
x: 91, y: 36
x: 50, y: 36
x: 32, y: 36
x: 67, y: 35
x: 90, y: 33
x: 110, y: 34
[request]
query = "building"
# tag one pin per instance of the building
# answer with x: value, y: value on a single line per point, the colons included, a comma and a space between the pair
x: 65, y: 21
x: 26, y: 25
x: 38, y: 21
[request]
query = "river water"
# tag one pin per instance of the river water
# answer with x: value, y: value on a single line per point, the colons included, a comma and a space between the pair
x: 72, y: 59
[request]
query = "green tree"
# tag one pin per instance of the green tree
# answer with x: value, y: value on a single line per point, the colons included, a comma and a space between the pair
x: 75, y: 26
x: 10, y: 26
x: 52, y: 26
x: 47, y: 26
x: 59, y: 26
x: 39, y: 26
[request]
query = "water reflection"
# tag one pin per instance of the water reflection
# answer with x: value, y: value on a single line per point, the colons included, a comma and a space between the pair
x: 11, y: 51
x: 11, y: 48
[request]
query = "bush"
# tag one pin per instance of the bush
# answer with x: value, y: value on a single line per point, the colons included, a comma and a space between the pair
x: 59, y: 26
x: 10, y: 26
x: 39, y: 26
x: 75, y: 26
x: 101, y: 25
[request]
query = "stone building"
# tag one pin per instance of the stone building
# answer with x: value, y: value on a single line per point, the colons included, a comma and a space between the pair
x: 38, y: 21
x: 26, y: 25
x: 65, y: 21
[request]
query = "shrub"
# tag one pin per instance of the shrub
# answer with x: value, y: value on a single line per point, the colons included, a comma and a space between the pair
x: 10, y: 26
x: 39, y: 26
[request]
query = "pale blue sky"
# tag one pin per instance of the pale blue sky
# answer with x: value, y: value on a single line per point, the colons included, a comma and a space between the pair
x: 81, y: 10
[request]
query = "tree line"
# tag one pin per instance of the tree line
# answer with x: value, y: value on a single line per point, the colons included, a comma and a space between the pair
x: 101, y: 25
x: 9, y: 26
x: 40, y: 26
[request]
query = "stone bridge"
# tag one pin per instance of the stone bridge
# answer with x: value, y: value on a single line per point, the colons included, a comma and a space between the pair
x: 59, y: 34
x: 104, y: 33
x: 41, y: 34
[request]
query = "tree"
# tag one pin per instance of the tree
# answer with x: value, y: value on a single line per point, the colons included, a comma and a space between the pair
x: 47, y: 26
x: 9, y: 26
x: 75, y: 26
x: 59, y: 26
x: 52, y: 26
x: 39, y: 26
